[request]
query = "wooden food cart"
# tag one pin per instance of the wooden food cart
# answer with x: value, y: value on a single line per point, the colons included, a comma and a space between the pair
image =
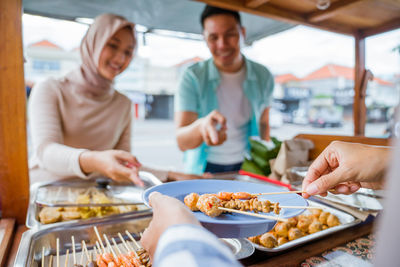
x: 357, y: 18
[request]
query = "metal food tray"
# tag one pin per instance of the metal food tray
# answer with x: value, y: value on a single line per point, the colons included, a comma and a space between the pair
x: 32, y: 241
x: 58, y: 191
x: 346, y: 221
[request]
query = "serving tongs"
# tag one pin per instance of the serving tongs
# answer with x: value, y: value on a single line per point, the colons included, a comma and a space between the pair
x: 78, y: 205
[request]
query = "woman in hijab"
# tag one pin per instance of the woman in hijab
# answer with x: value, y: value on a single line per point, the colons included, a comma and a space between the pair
x: 79, y: 124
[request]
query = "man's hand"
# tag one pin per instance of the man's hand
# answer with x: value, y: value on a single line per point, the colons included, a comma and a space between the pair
x: 167, y: 211
x: 119, y: 165
x: 345, y: 167
x: 213, y: 128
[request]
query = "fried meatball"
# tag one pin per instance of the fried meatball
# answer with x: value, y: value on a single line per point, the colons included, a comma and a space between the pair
x: 208, y: 204
x: 292, y: 222
x: 303, y: 223
x: 324, y: 227
x: 314, y: 227
x: 191, y: 201
x: 332, y: 220
x: 282, y: 240
x: 268, y: 240
x: 282, y: 229
x: 294, y: 233
x: 323, y: 217
x: 315, y: 213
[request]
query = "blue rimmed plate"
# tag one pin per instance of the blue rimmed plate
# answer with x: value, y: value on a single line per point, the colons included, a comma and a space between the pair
x: 231, y: 225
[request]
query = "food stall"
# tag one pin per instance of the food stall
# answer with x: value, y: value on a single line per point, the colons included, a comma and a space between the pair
x: 356, y: 18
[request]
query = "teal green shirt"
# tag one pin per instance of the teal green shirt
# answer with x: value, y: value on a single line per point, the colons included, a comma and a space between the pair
x: 197, y: 93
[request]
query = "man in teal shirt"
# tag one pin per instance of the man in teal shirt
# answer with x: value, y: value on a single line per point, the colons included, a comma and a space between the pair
x: 222, y: 101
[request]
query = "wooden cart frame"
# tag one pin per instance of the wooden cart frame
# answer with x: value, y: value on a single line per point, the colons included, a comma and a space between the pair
x: 357, y: 18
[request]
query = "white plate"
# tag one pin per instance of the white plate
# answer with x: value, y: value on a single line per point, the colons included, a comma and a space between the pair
x: 240, y: 247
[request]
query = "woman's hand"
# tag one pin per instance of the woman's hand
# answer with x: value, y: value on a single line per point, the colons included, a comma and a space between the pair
x: 119, y: 165
x: 345, y: 167
x: 167, y: 211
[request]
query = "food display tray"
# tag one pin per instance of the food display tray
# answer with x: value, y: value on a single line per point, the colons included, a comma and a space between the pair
x: 34, y: 240
x: 346, y: 221
x: 61, y: 191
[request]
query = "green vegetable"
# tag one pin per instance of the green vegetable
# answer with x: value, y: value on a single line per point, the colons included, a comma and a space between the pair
x: 250, y: 166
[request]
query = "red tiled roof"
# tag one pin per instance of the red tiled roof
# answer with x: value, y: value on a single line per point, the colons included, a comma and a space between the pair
x: 284, y: 78
x: 45, y: 43
x: 335, y: 71
x: 189, y: 60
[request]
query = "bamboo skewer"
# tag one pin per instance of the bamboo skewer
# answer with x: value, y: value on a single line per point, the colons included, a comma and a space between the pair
x: 42, y: 256
x: 133, y: 239
x: 128, y: 246
x: 300, y: 207
x: 99, y: 238
x: 109, y: 246
x: 58, y: 252
x: 98, y: 247
x: 254, y: 214
x: 66, y: 258
x: 73, y: 250
x: 51, y: 261
x: 82, y: 254
x: 84, y: 249
x: 116, y: 245
x: 279, y: 193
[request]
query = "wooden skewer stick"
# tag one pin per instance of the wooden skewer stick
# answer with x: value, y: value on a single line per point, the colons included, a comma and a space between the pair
x: 95, y: 252
x: 285, y: 192
x: 300, y: 207
x: 51, y: 261
x: 73, y: 250
x: 127, y: 245
x: 133, y: 239
x: 85, y: 249
x: 58, y: 252
x: 279, y: 193
x: 110, y: 247
x: 116, y: 245
x: 42, y: 256
x: 66, y: 258
x: 82, y: 254
x: 98, y: 247
x: 99, y: 238
x: 255, y: 214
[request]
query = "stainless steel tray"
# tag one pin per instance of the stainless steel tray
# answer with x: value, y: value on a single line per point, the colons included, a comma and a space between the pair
x: 59, y: 191
x: 31, y: 244
x: 346, y: 221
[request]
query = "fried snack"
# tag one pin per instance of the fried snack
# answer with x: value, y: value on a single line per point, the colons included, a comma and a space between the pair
x: 208, y: 204
x: 268, y: 240
x: 281, y: 229
x: 316, y: 212
x: 253, y: 204
x: 50, y: 215
x: 294, y: 233
x: 282, y: 240
x: 332, y: 220
x: 191, y: 201
x: 292, y: 222
x: 70, y: 215
x: 314, y: 227
x: 323, y: 217
x: 303, y: 223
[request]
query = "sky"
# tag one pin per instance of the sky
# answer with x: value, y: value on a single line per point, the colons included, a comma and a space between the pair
x: 299, y: 50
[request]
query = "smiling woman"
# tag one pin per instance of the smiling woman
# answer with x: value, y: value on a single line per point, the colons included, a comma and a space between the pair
x: 80, y: 124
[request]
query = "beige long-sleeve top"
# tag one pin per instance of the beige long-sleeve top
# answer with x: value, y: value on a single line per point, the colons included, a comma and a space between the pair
x: 65, y: 121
